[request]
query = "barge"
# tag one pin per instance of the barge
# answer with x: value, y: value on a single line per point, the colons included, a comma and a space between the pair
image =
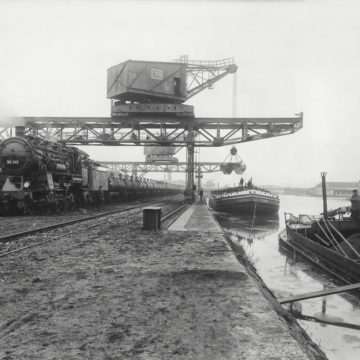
x: 244, y: 200
x: 331, y: 244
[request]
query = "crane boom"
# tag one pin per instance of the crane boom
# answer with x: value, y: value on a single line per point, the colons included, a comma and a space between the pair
x: 203, y: 74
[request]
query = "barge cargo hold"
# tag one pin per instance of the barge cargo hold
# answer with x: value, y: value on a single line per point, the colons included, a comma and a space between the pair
x: 244, y: 200
x: 323, y: 243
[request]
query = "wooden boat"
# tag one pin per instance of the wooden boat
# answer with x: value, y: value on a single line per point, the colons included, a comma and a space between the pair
x: 331, y: 244
x: 244, y: 200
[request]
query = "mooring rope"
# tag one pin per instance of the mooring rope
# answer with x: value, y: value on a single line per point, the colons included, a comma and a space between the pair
x: 253, y: 219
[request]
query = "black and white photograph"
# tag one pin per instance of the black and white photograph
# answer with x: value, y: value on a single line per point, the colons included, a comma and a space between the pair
x: 179, y: 180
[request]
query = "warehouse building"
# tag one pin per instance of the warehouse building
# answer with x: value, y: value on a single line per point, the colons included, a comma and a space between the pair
x: 337, y: 189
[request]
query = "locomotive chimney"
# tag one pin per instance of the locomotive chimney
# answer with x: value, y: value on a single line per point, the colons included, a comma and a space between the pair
x: 20, y: 131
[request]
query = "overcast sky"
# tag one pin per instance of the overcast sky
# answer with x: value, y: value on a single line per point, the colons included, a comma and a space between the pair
x: 292, y: 56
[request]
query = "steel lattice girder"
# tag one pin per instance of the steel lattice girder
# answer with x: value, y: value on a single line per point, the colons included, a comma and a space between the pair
x: 144, y: 167
x: 161, y: 130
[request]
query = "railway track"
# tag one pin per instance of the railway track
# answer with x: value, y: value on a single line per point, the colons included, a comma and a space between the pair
x: 15, y: 235
x: 17, y: 224
x: 32, y: 237
x: 168, y: 219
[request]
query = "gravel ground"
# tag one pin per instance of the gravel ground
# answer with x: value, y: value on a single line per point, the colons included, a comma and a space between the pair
x: 11, y: 224
x: 118, y: 292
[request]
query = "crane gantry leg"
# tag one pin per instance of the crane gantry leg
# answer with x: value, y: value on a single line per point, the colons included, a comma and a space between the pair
x: 199, y: 176
x: 190, y: 186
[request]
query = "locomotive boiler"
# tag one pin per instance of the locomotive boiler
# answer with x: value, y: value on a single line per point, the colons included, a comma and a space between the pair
x: 41, y: 174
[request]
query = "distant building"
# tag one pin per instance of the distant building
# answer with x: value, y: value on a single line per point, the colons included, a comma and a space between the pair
x: 337, y: 189
x: 288, y: 190
x: 298, y: 191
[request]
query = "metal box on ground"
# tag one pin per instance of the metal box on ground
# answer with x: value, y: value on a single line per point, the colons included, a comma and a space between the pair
x: 143, y: 81
x: 152, y: 218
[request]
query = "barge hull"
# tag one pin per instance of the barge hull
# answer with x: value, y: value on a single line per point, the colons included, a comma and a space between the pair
x: 250, y: 204
x: 336, y: 264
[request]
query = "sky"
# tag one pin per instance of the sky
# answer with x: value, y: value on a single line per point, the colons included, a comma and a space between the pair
x: 292, y: 56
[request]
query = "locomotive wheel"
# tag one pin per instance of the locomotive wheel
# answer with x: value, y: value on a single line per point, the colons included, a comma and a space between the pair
x: 28, y: 208
x: 29, y: 211
x: 49, y: 209
x: 57, y: 206
x: 88, y: 200
x: 78, y: 201
x: 67, y: 204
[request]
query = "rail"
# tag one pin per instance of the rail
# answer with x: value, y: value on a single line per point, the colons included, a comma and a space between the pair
x: 172, y: 215
x: 7, y: 238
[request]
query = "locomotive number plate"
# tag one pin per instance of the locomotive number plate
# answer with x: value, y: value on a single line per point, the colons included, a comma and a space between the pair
x: 12, y: 162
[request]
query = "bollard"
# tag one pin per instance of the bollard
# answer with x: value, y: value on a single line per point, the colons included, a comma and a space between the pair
x: 152, y: 218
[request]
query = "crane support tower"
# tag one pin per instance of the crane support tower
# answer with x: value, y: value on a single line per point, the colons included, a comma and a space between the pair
x: 160, y: 88
x: 147, y: 109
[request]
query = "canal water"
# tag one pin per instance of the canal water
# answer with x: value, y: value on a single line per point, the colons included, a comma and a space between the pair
x: 284, y: 276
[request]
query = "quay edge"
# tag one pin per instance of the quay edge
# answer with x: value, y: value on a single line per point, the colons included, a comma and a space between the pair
x: 308, y: 345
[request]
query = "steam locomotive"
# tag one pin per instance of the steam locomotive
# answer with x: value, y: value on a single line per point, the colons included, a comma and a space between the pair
x: 40, y: 174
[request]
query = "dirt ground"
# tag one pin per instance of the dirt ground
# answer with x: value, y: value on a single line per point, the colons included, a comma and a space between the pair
x: 13, y: 224
x: 118, y: 292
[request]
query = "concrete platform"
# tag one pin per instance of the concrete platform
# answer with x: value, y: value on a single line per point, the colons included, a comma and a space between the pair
x: 196, y: 218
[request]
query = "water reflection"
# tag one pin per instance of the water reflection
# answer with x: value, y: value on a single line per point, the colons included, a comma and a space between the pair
x: 248, y: 227
x: 286, y: 275
x: 290, y: 268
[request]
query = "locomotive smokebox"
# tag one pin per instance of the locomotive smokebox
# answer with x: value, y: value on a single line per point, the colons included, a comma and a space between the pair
x: 20, y: 131
x: 16, y: 155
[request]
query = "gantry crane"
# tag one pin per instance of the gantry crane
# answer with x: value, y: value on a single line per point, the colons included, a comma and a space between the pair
x: 147, y: 108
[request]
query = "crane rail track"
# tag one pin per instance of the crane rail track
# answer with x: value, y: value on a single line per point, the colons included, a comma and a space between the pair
x: 167, y: 217
x: 172, y: 216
